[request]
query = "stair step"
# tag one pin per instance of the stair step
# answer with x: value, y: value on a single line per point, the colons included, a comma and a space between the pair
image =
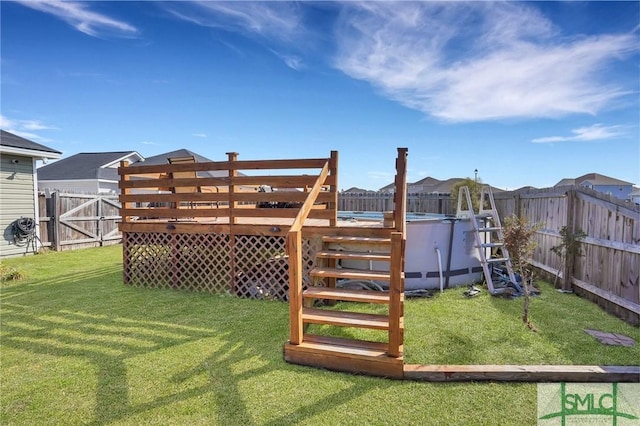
x: 365, y: 296
x: 345, y: 319
x: 361, y: 240
x: 357, y: 274
x: 353, y: 356
x: 492, y: 245
x: 484, y: 216
x: 341, y: 344
x: 490, y: 229
x: 353, y: 255
x: 497, y: 260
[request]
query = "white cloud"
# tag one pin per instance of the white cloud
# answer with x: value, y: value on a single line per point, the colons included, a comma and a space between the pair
x: 199, y: 135
x: 456, y: 61
x: 25, y: 128
x: 275, y: 20
x: 36, y: 125
x: 584, y: 134
x: 477, y: 61
x: 292, y: 61
x: 6, y: 123
x: 82, y: 19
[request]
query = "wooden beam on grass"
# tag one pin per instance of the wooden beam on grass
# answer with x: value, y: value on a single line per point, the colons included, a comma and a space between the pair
x: 523, y: 373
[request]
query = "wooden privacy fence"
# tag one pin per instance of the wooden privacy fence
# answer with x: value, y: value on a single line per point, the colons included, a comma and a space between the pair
x: 608, y: 271
x: 383, y: 201
x: 70, y: 221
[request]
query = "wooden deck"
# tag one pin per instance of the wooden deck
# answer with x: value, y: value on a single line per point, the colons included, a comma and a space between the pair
x: 185, y: 231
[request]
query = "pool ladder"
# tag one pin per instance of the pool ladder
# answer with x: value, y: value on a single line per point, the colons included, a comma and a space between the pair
x: 489, y: 234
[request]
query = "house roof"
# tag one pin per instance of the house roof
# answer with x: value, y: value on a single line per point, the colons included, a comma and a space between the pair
x: 356, y: 189
x: 387, y: 187
x: 593, y: 179
x: 19, y: 145
x: 446, y: 186
x: 566, y: 182
x: 85, y: 165
x: 433, y: 185
x: 427, y: 181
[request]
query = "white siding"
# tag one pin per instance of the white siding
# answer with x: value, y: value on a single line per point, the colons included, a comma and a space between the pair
x: 16, y: 198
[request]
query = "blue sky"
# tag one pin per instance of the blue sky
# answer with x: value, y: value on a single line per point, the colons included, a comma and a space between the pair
x: 527, y: 93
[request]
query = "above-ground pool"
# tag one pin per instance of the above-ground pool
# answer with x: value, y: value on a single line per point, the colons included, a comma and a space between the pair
x: 440, y: 251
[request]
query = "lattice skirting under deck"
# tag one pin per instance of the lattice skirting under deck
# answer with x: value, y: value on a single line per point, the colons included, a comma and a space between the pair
x: 250, y: 266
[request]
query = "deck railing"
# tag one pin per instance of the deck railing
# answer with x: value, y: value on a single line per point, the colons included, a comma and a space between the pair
x: 224, y: 191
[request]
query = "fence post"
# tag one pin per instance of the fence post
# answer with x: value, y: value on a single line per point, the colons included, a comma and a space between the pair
x: 567, y: 273
x: 100, y: 232
x: 55, y: 221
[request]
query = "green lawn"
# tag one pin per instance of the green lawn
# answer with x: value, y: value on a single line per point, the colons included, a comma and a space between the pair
x: 79, y: 347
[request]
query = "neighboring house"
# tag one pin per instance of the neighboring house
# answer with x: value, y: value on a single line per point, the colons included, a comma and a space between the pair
x: 389, y: 188
x: 634, y: 197
x: 601, y: 183
x: 429, y: 185
x: 423, y: 185
x: 355, y: 190
x: 86, y: 172
x: 18, y: 186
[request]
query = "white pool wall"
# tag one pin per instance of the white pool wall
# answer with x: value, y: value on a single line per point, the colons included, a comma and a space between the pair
x: 422, y: 269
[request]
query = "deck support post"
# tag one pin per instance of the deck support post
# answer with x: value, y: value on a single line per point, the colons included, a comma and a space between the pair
x: 294, y: 249
x: 396, y: 296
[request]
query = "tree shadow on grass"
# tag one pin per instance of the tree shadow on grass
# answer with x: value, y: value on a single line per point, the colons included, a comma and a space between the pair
x: 108, y: 329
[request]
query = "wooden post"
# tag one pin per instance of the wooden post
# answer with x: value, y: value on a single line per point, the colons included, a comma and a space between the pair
x: 400, y: 195
x: 333, y: 205
x: 232, y: 260
x: 233, y: 156
x: 55, y: 221
x: 124, y: 191
x: 126, y: 262
x: 567, y: 273
x: 100, y: 230
x: 294, y: 248
x: 333, y: 171
x: 396, y: 292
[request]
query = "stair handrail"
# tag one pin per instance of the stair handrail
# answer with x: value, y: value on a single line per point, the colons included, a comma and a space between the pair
x: 294, y: 250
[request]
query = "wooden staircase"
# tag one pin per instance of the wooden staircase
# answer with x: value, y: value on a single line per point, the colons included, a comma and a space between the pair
x: 357, y: 356
x: 386, y: 252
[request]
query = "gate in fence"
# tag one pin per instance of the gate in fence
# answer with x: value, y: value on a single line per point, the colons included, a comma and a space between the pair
x: 71, y: 221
